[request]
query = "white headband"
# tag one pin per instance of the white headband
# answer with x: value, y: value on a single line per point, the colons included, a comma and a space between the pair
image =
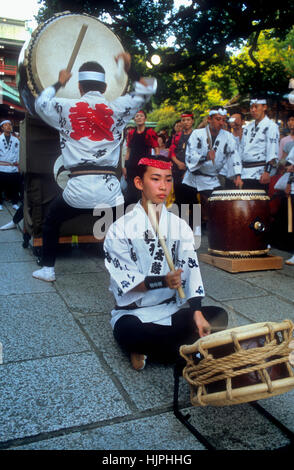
x: 257, y: 102
x: 4, y: 122
x: 222, y: 112
x: 95, y: 76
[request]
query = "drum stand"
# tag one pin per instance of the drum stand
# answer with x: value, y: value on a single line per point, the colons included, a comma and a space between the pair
x: 184, y: 419
x: 245, y: 264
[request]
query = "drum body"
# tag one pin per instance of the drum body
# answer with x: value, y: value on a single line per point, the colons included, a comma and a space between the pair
x: 238, y: 223
x: 240, y: 365
x: 49, y: 50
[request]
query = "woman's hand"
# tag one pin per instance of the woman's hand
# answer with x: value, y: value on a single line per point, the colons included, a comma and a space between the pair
x: 202, y: 324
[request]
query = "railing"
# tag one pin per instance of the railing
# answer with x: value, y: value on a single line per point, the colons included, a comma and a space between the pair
x: 8, y: 69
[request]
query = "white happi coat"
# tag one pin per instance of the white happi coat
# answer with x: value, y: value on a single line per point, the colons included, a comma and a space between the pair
x: 226, y: 157
x: 282, y: 182
x: 259, y: 143
x: 132, y: 252
x: 91, y: 131
x: 9, y: 153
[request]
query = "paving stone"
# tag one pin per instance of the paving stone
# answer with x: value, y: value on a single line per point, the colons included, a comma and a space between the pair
x: 9, y: 236
x: 38, y: 325
x: 222, y: 286
x: 149, y: 388
x: 276, y: 284
x: 139, y: 434
x: 263, y: 309
x: 87, y: 292
x: 13, y: 252
x: 16, y: 278
x: 237, y: 427
x: 55, y: 393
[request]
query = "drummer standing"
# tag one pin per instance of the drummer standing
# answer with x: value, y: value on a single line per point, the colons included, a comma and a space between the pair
x: 259, y: 147
x: 91, y: 131
x: 208, y: 151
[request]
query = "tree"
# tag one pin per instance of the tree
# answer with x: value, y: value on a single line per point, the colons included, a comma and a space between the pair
x: 202, y: 31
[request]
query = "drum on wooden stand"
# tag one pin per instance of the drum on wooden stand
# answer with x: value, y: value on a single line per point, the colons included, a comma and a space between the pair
x: 240, y: 365
x: 49, y: 50
x: 238, y: 223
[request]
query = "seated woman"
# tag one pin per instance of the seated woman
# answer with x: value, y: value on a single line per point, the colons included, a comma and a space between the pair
x: 150, y: 319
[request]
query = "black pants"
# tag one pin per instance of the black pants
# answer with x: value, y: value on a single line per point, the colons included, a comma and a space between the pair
x: 58, y: 213
x: 18, y: 216
x: 161, y: 343
x: 10, y: 183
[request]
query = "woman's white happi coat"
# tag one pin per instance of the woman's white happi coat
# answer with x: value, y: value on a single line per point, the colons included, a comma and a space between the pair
x: 9, y: 153
x: 133, y: 251
x: 226, y: 157
x: 259, y: 143
x: 91, y: 131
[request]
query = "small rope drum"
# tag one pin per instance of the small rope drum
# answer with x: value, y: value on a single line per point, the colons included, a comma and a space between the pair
x: 240, y: 365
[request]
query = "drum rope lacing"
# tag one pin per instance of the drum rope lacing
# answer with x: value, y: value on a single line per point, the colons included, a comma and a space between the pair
x: 211, y: 370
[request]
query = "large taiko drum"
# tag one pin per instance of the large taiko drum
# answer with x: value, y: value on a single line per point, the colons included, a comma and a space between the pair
x: 238, y: 222
x: 240, y: 365
x: 49, y: 50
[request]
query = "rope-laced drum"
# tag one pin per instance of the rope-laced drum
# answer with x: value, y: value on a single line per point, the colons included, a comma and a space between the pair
x: 49, y: 50
x: 240, y: 365
x: 238, y: 223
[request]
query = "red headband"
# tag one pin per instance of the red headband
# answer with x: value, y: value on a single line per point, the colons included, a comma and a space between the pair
x: 187, y: 115
x: 156, y: 163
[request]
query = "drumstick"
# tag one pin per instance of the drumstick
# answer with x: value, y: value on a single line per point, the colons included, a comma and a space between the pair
x: 290, y: 215
x: 209, y: 141
x: 153, y: 219
x: 77, y: 47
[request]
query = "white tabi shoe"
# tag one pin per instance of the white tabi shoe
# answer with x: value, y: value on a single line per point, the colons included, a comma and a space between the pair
x: 1, y: 207
x: 45, y: 274
x: 8, y: 226
x: 290, y: 261
x: 15, y: 206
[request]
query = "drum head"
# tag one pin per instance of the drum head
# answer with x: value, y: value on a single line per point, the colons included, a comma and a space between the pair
x: 51, y: 47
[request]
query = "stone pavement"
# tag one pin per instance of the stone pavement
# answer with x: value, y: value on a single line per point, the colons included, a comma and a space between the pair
x: 65, y: 384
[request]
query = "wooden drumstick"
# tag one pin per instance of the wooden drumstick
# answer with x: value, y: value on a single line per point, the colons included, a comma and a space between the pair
x: 153, y: 219
x: 77, y: 47
x: 290, y: 215
x: 209, y: 141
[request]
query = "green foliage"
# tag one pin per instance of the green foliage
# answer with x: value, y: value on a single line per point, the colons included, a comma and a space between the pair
x: 200, y: 70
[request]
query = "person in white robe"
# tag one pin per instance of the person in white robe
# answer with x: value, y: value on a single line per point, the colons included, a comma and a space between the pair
x: 286, y: 184
x: 91, y: 131
x: 259, y: 147
x: 209, y: 150
x: 10, y: 178
x: 150, y: 318
x: 236, y: 123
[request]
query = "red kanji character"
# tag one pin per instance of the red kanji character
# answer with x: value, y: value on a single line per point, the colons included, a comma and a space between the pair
x: 92, y: 123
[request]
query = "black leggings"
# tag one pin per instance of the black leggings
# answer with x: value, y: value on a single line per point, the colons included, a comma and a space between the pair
x: 59, y: 212
x: 161, y: 343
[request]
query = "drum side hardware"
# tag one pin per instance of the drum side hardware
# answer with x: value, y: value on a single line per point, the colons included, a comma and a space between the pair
x: 257, y: 225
